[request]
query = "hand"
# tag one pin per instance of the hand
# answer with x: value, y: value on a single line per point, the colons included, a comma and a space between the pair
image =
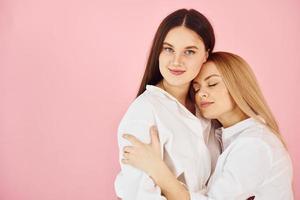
x: 146, y: 157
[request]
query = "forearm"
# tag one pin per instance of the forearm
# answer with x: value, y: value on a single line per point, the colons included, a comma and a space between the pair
x: 170, y: 186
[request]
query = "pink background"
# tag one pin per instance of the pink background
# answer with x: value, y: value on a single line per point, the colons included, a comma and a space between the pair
x: 69, y: 69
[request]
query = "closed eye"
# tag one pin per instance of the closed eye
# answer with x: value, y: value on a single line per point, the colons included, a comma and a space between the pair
x: 212, y: 85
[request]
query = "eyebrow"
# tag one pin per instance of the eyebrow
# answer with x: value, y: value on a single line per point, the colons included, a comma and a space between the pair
x: 210, y: 76
x: 188, y: 47
x: 216, y: 75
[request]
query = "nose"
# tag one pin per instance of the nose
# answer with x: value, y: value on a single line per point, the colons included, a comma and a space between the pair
x: 177, y: 60
x: 203, y: 94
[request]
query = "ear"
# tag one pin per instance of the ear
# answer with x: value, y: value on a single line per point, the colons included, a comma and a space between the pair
x: 206, y: 55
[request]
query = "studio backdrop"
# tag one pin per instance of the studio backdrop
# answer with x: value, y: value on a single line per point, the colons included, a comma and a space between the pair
x: 70, y: 68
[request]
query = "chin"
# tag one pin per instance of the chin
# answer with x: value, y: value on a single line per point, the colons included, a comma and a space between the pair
x: 177, y: 83
x: 205, y: 115
x: 208, y: 115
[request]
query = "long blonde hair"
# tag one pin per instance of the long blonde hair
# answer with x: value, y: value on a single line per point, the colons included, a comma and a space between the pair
x: 244, y: 89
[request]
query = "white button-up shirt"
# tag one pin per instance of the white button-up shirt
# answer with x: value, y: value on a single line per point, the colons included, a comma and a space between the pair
x: 254, y: 163
x: 183, y: 137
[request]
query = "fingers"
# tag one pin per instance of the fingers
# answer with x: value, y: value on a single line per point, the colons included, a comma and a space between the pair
x: 126, y: 155
x: 132, y: 139
x: 155, y: 143
x: 125, y: 161
x: 128, y: 149
x: 154, y: 135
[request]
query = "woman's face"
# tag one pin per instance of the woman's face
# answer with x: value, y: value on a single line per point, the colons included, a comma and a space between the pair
x: 211, y: 94
x: 182, y: 56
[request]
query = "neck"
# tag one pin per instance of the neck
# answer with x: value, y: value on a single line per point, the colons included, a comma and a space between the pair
x: 232, y: 117
x: 179, y: 92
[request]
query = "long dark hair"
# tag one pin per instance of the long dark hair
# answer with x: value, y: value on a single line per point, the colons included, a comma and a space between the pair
x: 191, y: 19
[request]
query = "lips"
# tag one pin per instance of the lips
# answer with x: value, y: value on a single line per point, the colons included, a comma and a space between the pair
x: 176, y: 72
x: 205, y: 104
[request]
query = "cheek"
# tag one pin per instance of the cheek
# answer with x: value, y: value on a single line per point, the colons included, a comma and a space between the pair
x: 163, y: 60
x: 227, y: 102
x: 195, y: 64
x: 197, y: 99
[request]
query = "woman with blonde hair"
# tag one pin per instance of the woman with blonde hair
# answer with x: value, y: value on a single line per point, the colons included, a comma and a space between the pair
x: 254, y: 162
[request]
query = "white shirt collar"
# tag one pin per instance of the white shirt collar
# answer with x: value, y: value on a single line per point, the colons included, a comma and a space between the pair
x: 230, y: 133
x: 154, y: 89
x: 159, y: 91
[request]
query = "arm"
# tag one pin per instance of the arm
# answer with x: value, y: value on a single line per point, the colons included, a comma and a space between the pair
x: 246, y: 164
x: 132, y: 183
x: 170, y: 186
x: 245, y: 167
x: 147, y: 157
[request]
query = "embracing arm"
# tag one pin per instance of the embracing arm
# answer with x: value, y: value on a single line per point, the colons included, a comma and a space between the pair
x: 147, y: 157
x: 246, y: 166
x: 170, y: 186
x: 132, y: 183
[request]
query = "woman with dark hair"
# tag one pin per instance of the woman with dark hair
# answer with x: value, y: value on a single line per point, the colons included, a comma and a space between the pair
x: 181, y: 45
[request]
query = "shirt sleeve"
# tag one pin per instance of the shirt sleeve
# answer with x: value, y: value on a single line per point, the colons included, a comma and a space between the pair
x: 246, y: 167
x: 132, y: 183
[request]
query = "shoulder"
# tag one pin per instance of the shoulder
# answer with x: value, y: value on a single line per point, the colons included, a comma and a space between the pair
x: 257, y: 143
x: 249, y: 156
x: 141, y: 102
x: 254, y: 139
x: 260, y: 134
x: 138, y: 119
x: 141, y: 109
x: 251, y: 146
